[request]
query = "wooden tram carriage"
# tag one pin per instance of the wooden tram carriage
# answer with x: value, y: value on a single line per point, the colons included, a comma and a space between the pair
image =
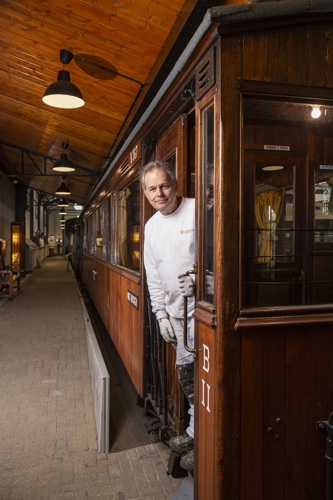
x: 240, y: 99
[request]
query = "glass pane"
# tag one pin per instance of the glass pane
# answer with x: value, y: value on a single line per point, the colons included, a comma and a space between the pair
x: 287, y: 217
x: 129, y: 226
x: 323, y: 208
x: 99, y: 232
x: 208, y: 206
x: 274, y: 213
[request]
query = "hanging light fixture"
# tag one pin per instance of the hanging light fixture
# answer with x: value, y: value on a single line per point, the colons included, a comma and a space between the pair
x: 63, y: 203
x: 62, y: 220
x: 62, y: 211
x: 62, y: 190
x: 63, y: 93
x: 63, y: 165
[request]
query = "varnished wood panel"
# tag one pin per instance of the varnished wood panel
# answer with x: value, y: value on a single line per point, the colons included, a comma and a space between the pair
x: 292, y: 55
x: 122, y: 320
x: 285, y: 391
x: 205, y: 412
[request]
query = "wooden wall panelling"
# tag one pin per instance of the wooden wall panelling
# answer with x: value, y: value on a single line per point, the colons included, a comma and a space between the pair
x: 295, y: 421
x: 317, y: 395
x: 297, y: 56
x: 125, y: 328
x: 114, y: 279
x: 285, y: 375
x: 205, y: 410
x: 329, y: 61
x: 274, y: 424
x: 276, y: 58
x: 254, y: 49
x: 318, y: 59
x: 252, y: 435
x: 256, y: 136
x: 226, y: 266
x: 297, y: 61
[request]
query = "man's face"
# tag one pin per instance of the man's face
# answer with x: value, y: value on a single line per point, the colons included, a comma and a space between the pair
x: 160, y: 191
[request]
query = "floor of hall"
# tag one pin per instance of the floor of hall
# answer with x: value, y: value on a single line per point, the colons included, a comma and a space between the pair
x: 48, y: 437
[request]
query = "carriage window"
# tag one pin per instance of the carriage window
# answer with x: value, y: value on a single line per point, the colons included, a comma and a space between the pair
x: 128, y: 226
x: 208, y: 205
x: 99, y: 232
x: 323, y: 207
x: 287, y: 218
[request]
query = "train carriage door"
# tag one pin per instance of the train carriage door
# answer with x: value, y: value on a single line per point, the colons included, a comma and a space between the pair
x: 205, y: 459
x: 176, y: 146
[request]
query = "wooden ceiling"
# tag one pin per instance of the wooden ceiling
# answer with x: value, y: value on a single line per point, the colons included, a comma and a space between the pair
x: 129, y: 37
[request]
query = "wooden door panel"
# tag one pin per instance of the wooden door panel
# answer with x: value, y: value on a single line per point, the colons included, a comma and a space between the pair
x: 274, y: 374
x: 296, y: 377
x: 252, y: 416
x: 286, y: 387
x: 205, y: 412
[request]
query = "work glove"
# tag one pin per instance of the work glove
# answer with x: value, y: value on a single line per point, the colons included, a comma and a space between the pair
x: 209, y: 283
x: 186, y: 285
x: 165, y: 326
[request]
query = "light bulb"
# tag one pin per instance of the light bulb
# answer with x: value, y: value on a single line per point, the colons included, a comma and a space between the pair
x: 315, y: 113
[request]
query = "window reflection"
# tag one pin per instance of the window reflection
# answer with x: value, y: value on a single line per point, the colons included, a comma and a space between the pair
x: 129, y: 226
x: 208, y: 205
x: 323, y: 208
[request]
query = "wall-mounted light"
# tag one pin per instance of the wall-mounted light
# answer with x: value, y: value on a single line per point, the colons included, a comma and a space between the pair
x: 63, y: 165
x: 64, y: 94
x: 316, y: 112
x: 62, y: 190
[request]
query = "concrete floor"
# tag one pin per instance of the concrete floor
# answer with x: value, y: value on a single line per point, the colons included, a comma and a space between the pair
x: 48, y: 442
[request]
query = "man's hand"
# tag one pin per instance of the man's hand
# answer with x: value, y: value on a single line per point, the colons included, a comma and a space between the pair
x: 186, y: 286
x: 165, y: 326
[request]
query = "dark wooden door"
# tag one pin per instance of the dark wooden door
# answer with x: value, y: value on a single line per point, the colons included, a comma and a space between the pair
x: 286, y: 387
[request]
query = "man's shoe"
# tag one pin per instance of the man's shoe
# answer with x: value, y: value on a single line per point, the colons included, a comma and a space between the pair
x: 181, y: 444
x: 187, y: 461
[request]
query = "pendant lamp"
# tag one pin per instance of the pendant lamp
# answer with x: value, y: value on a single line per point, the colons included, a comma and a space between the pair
x: 63, y: 203
x: 63, y: 93
x: 63, y: 165
x: 62, y: 190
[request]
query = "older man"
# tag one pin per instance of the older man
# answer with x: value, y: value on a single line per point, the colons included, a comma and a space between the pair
x: 170, y: 251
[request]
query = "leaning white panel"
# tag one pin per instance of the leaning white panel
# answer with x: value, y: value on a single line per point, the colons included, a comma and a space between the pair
x: 100, y: 385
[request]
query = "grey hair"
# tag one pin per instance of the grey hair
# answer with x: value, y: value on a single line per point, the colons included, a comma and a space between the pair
x: 161, y: 165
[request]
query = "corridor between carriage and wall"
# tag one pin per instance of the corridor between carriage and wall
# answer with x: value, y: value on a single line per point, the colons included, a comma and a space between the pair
x: 47, y: 424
